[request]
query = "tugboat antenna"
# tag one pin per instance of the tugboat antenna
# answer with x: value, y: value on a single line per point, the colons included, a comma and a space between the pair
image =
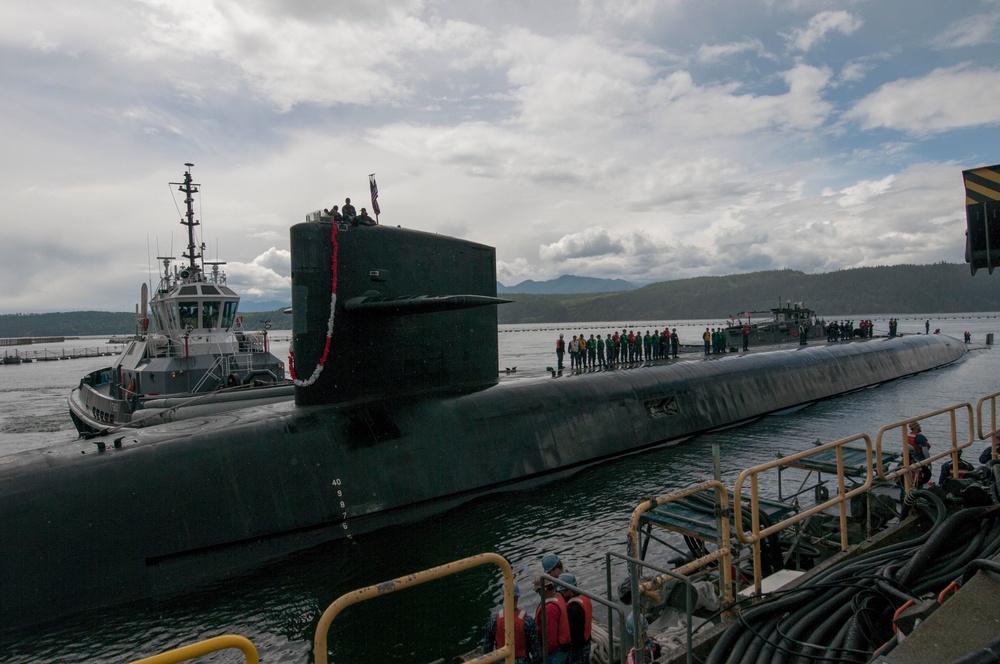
x: 188, y: 188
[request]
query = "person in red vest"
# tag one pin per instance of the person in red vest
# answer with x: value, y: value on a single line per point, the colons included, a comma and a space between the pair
x: 580, y: 614
x: 555, y: 634
x: 527, y: 645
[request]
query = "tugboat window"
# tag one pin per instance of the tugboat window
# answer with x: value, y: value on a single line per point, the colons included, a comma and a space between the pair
x: 228, y: 314
x: 173, y: 316
x: 210, y: 313
x: 189, y: 314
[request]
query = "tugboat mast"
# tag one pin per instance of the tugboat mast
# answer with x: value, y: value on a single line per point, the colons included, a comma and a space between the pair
x: 189, y: 188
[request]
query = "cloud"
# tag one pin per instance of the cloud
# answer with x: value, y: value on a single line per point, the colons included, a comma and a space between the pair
x: 864, y: 192
x: 969, y: 31
x: 718, y: 52
x: 945, y: 99
x: 267, y: 275
x: 588, y: 244
x: 635, y: 139
x: 821, y: 25
x: 514, y: 272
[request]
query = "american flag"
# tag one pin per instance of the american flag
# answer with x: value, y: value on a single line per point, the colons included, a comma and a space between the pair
x: 374, y: 188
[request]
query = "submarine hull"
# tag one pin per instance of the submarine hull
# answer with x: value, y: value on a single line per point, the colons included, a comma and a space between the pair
x: 166, y: 507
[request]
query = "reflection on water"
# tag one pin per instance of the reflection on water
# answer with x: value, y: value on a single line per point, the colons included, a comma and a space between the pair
x: 580, y: 518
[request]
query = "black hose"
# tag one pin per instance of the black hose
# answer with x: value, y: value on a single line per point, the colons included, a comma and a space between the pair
x: 780, y: 628
x: 940, y: 538
x: 813, y: 617
x: 979, y: 564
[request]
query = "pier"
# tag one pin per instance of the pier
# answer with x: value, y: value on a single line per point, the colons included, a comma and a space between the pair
x: 27, y: 341
x: 49, y: 355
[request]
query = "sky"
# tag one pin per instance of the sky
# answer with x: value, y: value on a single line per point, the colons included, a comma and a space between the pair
x: 637, y: 139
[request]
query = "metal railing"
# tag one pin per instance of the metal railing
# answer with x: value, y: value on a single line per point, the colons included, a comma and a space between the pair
x: 722, y: 552
x: 378, y: 590
x: 203, y: 648
x: 634, y: 565
x: 907, y: 470
x: 839, y: 500
x: 991, y: 399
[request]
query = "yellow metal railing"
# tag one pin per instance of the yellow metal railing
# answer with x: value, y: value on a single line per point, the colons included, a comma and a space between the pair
x: 990, y: 399
x: 722, y: 552
x: 839, y: 500
x: 907, y: 470
x: 203, y: 648
x: 378, y: 590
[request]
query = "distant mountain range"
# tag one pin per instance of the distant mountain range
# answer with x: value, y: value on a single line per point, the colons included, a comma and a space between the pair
x: 891, y: 290
x: 896, y: 289
x: 568, y: 284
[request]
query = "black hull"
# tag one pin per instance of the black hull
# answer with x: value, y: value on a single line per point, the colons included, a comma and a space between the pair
x: 174, y: 505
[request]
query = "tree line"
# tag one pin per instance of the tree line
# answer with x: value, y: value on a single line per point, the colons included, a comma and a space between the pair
x: 93, y: 323
x: 896, y: 289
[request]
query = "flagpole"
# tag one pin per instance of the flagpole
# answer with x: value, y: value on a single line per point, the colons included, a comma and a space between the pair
x: 374, y: 190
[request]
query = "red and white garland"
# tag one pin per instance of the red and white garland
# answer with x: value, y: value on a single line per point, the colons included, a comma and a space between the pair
x: 329, y: 323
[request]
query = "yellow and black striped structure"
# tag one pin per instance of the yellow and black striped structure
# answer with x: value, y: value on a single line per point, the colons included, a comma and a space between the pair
x: 982, y: 214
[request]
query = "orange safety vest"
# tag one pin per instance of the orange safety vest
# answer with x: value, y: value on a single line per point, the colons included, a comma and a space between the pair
x: 561, y: 627
x: 588, y: 613
x: 914, y: 448
x: 520, y: 642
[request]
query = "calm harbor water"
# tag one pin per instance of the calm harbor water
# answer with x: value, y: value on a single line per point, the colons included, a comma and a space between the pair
x: 579, y: 518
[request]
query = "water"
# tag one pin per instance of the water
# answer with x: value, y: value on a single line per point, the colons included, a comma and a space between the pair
x: 579, y: 518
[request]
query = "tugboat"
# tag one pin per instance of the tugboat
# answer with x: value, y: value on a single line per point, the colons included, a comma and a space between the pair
x: 195, y: 359
x: 787, y: 323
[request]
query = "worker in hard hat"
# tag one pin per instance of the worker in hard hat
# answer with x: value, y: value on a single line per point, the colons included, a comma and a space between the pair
x: 580, y: 613
x: 527, y: 645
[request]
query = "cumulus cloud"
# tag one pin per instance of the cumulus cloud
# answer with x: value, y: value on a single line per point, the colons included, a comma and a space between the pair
x: 590, y: 243
x: 820, y: 26
x: 945, y: 99
x: 267, y: 275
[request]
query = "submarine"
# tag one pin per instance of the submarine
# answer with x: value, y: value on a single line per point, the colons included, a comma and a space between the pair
x: 398, y: 414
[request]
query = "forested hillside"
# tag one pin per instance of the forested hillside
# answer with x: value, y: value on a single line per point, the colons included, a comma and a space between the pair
x: 87, y: 323
x: 898, y: 289
x: 938, y: 288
